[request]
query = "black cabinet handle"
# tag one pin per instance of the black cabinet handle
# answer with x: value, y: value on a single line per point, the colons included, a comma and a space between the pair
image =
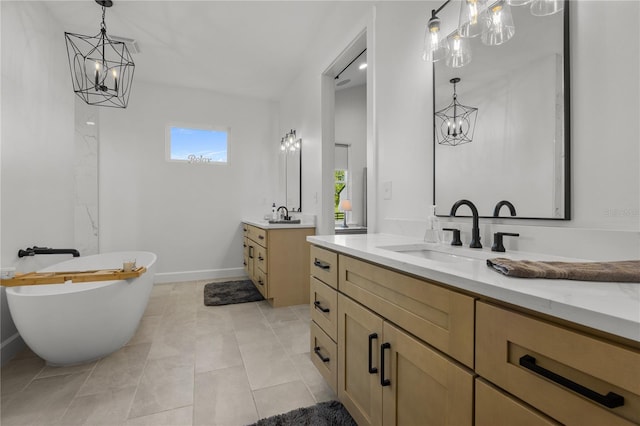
x: 317, y: 306
x: 610, y: 400
x: 322, y: 265
x: 261, y: 237
x: 372, y: 369
x: 260, y: 258
x: 260, y: 281
x: 250, y: 252
x: 322, y: 358
x: 383, y: 347
x: 244, y: 263
x: 244, y: 245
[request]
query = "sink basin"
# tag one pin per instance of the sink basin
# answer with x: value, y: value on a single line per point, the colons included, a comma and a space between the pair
x: 427, y: 251
x: 290, y: 222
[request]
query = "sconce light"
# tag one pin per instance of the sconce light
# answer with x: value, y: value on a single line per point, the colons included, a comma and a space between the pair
x: 456, y: 123
x: 493, y: 21
x: 290, y: 143
x: 101, y: 68
x: 345, y: 206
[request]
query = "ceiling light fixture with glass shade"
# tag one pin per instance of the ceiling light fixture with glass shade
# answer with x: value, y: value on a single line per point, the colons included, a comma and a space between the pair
x: 492, y: 20
x: 101, y: 68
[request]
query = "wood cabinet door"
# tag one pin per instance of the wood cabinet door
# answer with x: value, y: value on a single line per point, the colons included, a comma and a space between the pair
x: 422, y: 386
x: 358, y: 388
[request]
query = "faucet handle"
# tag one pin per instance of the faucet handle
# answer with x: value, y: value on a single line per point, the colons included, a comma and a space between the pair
x: 497, y: 240
x: 456, y: 236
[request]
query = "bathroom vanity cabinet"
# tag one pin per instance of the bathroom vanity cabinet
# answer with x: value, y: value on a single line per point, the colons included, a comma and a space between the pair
x: 402, y: 349
x: 276, y: 260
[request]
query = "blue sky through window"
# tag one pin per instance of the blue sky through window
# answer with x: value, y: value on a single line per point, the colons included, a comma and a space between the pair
x: 207, y: 144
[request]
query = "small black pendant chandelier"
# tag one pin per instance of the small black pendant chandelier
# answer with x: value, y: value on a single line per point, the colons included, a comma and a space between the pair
x: 456, y: 123
x: 101, y: 68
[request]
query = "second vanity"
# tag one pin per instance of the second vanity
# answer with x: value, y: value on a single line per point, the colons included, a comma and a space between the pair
x: 418, y: 334
x: 276, y: 259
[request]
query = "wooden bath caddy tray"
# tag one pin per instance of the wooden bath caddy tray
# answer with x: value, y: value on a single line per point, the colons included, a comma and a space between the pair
x: 37, y: 278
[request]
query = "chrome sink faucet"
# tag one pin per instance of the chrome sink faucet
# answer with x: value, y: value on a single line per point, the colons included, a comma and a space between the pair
x: 475, y: 230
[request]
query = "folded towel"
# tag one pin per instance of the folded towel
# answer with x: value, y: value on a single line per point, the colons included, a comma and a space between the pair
x: 621, y: 271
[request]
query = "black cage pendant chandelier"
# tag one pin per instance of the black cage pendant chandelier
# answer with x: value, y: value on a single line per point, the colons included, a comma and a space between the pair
x: 456, y: 123
x: 101, y: 68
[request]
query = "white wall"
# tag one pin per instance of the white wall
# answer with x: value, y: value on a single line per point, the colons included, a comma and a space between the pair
x: 351, y: 129
x: 37, y: 140
x: 301, y: 107
x: 605, y: 157
x: 188, y: 214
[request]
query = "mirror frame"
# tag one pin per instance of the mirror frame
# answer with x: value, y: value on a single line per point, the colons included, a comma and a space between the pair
x: 567, y: 124
x: 286, y: 183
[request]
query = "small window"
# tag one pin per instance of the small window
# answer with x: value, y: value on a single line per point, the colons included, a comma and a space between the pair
x: 197, y: 145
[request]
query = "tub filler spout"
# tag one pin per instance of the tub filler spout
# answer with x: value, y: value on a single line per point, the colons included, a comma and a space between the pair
x: 32, y: 251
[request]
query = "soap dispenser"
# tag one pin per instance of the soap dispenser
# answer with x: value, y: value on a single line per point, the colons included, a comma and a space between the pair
x: 434, y: 228
x: 274, y: 213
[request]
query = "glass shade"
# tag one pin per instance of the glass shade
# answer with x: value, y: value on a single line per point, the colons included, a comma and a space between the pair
x: 434, y: 48
x: 546, y: 7
x: 472, y: 12
x: 498, y: 28
x: 458, y: 51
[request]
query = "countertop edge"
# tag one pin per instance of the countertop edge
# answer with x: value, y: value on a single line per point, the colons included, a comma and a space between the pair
x: 266, y: 225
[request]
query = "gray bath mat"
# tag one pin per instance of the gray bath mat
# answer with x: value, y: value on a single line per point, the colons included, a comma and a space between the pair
x: 231, y: 292
x: 331, y: 413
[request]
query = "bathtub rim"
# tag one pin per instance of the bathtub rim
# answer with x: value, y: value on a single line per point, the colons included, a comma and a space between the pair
x: 64, y: 288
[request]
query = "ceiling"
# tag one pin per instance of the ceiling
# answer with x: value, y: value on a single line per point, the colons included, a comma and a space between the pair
x: 353, y: 75
x: 245, y: 48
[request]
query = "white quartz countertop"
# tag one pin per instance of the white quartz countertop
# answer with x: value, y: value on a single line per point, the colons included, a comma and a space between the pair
x: 607, y: 306
x: 266, y: 225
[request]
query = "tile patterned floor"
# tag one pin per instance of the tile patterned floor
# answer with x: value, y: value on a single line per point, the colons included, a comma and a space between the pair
x: 188, y: 364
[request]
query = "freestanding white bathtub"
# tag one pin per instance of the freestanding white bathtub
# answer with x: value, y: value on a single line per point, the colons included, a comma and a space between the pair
x: 69, y: 323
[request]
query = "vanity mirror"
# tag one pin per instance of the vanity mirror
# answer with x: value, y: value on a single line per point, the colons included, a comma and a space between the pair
x: 293, y: 179
x: 519, y: 149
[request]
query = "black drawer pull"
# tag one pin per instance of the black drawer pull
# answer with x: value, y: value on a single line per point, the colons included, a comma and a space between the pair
x: 260, y: 258
x: 244, y: 263
x: 261, y: 237
x: 610, y: 400
x: 260, y: 281
x: 244, y: 245
x: 322, y: 358
x: 317, y: 305
x: 383, y: 381
x: 372, y: 369
x: 250, y: 252
x: 322, y: 265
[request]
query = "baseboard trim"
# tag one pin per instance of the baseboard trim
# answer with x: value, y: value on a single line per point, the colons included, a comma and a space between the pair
x: 207, y: 274
x: 11, y: 347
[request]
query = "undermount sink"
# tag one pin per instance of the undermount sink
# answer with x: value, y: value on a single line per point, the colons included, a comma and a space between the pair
x: 290, y: 221
x: 428, y: 251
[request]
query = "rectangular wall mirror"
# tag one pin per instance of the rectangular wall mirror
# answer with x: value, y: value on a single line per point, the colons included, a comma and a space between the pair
x: 293, y: 179
x: 520, y: 146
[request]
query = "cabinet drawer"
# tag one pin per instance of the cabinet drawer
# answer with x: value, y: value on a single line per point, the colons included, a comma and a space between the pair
x: 258, y: 235
x: 557, y: 370
x: 261, y: 282
x: 261, y: 258
x: 495, y: 408
x: 324, y: 307
x: 324, y: 355
x: 324, y: 266
x: 441, y: 317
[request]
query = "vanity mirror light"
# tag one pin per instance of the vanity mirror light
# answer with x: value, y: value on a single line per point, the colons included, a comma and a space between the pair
x: 521, y: 141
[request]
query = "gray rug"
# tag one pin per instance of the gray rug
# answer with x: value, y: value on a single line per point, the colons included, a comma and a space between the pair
x: 331, y: 413
x: 231, y: 292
